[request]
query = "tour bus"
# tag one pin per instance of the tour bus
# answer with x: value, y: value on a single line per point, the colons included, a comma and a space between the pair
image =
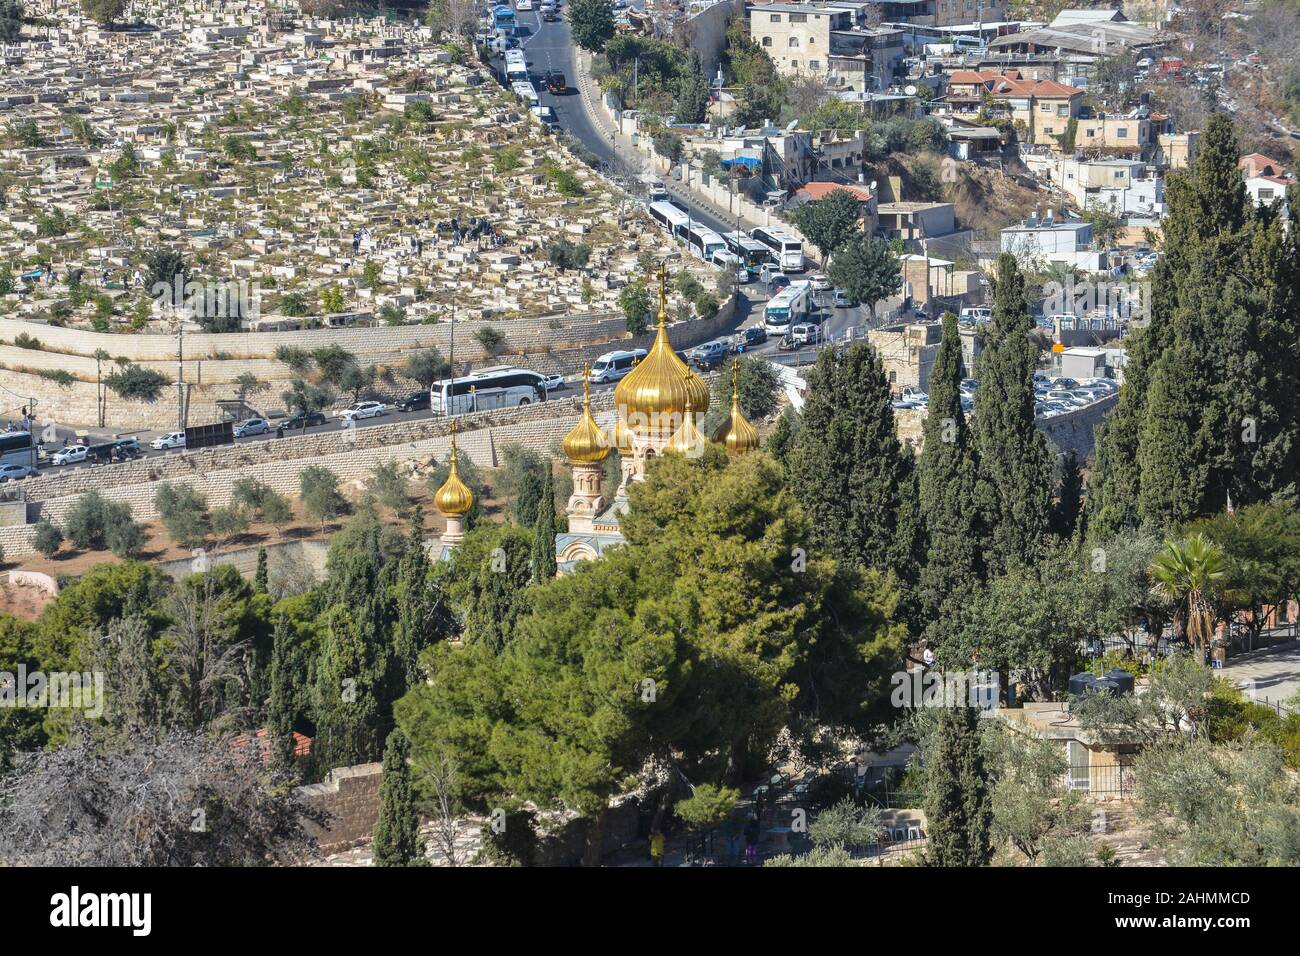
x: 501, y: 386
x: 703, y: 242
x: 791, y: 305
x: 669, y: 216
x: 786, y: 249
x: 516, y: 66
x: 525, y: 89
x: 612, y: 366
x: 16, y: 449
x: 503, y: 16
x: 751, y: 253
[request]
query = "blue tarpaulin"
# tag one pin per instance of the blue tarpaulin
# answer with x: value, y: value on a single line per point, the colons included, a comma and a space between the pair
x: 752, y: 162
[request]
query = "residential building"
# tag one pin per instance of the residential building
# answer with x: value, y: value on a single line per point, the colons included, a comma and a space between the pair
x: 1042, y: 108
x: 1122, y: 185
x: 797, y: 36
x: 955, y: 12
x: 1053, y: 240
x: 1266, y: 179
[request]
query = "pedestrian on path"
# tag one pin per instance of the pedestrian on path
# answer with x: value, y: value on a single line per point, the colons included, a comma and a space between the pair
x: 751, y: 839
x: 657, y: 847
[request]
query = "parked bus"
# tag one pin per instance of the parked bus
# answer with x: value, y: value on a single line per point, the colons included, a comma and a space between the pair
x: 704, y: 242
x: 503, y: 17
x: 669, y: 216
x: 516, y: 66
x: 502, y: 386
x: 751, y: 253
x: 16, y: 449
x: 526, y: 90
x: 786, y: 249
x: 790, y: 306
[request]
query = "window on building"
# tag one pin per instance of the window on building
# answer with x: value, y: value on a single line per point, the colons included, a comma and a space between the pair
x: 776, y: 18
x: 1121, y: 132
x: 798, y: 18
x: 1119, y: 174
x: 767, y: 41
x: 1063, y: 111
x: 1090, y: 133
x: 794, y: 41
x: 1049, y: 130
x: 1265, y: 194
x: 1078, y: 757
x: 794, y: 64
x: 814, y: 64
x: 1045, y: 108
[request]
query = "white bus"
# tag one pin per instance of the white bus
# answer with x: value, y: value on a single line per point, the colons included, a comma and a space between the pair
x: 502, y: 386
x: 786, y: 249
x: 751, y: 253
x: 669, y: 216
x: 704, y: 242
x: 16, y: 449
x: 516, y: 72
x: 526, y: 90
x: 790, y: 306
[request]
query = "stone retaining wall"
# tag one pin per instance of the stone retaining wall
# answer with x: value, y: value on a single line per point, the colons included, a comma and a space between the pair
x: 349, y: 801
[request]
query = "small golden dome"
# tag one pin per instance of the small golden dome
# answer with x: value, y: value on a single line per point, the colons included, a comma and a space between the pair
x: 586, y: 444
x: 453, y: 499
x: 736, y: 434
x: 657, y: 391
x: 623, y: 438
x: 687, y: 440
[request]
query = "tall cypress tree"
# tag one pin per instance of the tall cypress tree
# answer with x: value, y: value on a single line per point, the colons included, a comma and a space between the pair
x: 397, y: 832
x: 958, y: 807
x: 282, y: 703
x: 1069, y: 497
x: 849, y: 470
x: 946, y: 469
x: 262, y: 580
x: 544, y: 566
x: 423, y: 609
x: 1015, y: 476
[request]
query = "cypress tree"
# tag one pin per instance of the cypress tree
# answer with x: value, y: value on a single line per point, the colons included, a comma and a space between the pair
x: 261, y: 581
x: 849, y: 470
x: 544, y: 566
x: 1069, y: 497
x: 423, y: 614
x: 1015, y: 477
x: 397, y: 832
x: 946, y: 473
x: 281, y: 704
x: 958, y: 808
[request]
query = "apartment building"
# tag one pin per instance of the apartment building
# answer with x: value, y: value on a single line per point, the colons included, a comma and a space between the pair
x: 1266, y: 179
x: 949, y: 13
x: 1042, y: 108
x: 1124, y: 186
x: 827, y: 43
x: 1131, y: 133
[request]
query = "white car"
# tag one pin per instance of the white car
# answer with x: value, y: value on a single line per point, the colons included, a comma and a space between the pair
x: 523, y: 4
x: 552, y: 383
x: 363, y: 410
x: 14, y: 472
x: 819, y: 282
x: 70, y: 455
x: 170, y: 440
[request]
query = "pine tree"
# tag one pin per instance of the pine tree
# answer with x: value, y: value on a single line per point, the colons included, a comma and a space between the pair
x: 946, y: 481
x: 848, y: 468
x: 397, y: 832
x: 544, y: 567
x: 1014, y: 485
x: 958, y: 809
x: 261, y: 581
x: 1069, y: 497
x: 281, y: 704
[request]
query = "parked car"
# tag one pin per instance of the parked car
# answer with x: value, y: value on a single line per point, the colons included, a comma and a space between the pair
x: 842, y: 300
x: 806, y: 333
x: 127, y: 448
x: 14, y: 472
x: 711, y: 353
x: 778, y: 281
x: 550, y: 14
x: 553, y: 383
x: 358, y: 410
x: 300, y: 420
x: 252, y: 426
x: 71, y: 454
x: 170, y: 440
x: 411, y: 403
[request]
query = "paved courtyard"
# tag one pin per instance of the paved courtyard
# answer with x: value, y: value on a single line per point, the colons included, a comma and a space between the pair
x: 1271, y: 675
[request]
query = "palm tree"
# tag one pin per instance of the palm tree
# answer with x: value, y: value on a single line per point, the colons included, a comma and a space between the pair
x: 1188, y: 574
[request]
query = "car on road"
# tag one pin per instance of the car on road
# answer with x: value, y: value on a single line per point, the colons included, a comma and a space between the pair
x: 612, y: 366
x: 70, y: 455
x: 842, y: 300
x: 546, y: 115
x: 127, y: 448
x: 553, y: 383
x: 411, y: 403
x: 555, y: 82
x: 787, y: 343
x: 710, y: 354
x: 252, y: 426
x: 169, y: 440
x: 300, y: 420
x: 524, y: 5
x: 806, y: 333
x: 550, y: 14
x: 358, y: 410
x: 748, y: 338
x: 819, y: 282
x: 14, y: 472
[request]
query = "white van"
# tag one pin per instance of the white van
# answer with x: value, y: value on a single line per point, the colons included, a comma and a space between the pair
x: 612, y: 366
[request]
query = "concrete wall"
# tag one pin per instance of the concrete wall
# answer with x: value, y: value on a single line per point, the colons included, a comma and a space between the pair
x: 706, y: 33
x: 349, y: 801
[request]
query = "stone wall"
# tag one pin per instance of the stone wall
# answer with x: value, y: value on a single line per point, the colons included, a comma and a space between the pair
x: 349, y: 801
x: 1074, y: 431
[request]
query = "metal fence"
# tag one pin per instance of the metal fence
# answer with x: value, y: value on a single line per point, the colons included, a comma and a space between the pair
x: 1101, y: 778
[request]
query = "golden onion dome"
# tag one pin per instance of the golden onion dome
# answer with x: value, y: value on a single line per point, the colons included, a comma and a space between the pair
x: 454, y: 499
x: 687, y: 440
x: 586, y: 444
x: 658, y: 389
x: 736, y: 434
x: 623, y: 438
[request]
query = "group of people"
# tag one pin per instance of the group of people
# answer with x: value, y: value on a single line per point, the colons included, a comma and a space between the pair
x: 749, y: 833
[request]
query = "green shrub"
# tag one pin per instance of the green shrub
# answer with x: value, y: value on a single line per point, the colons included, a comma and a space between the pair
x: 47, y: 539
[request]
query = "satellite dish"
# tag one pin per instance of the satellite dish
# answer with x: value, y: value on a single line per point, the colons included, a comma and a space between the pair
x: 791, y: 126
x: 910, y: 90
